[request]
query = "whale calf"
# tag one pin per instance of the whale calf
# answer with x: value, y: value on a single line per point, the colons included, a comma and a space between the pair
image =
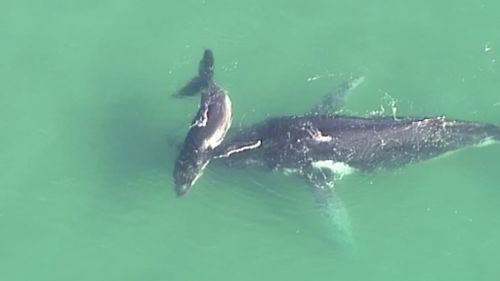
x: 208, y: 128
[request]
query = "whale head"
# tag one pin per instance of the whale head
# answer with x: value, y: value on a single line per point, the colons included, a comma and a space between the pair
x: 188, y: 168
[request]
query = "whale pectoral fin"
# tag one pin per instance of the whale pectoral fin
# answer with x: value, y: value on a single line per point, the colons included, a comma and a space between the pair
x: 335, y: 100
x: 235, y: 147
x: 319, y: 178
x: 332, y: 207
x: 204, y: 78
x: 329, y: 203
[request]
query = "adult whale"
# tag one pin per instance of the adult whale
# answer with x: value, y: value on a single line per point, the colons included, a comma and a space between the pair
x: 322, y: 146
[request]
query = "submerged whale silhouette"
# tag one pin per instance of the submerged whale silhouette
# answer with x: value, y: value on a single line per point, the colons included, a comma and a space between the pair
x: 321, y: 145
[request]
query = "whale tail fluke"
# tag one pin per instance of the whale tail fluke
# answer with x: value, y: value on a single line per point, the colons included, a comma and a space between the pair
x: 204, y: 79
x: 489, y: 132
x: 496, y: 133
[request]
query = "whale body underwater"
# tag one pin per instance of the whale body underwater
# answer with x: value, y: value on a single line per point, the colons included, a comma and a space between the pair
x: 320, y: 145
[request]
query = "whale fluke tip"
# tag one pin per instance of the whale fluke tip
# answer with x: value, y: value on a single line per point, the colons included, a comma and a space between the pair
x: 203, y: 80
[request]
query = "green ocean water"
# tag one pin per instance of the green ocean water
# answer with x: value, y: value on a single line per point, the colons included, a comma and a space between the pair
x: 89, y: 133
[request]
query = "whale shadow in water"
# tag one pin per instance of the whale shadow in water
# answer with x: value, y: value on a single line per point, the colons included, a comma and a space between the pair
x: 133, y: 146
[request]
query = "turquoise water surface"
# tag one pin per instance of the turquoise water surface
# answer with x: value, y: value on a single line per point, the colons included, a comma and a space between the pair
x: 90, y: 132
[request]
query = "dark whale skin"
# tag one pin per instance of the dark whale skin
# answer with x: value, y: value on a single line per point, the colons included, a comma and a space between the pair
x: 207, y: 131
x: 362, y: 143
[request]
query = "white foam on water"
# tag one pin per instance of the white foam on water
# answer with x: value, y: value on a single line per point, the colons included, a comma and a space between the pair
x: 290, y: 171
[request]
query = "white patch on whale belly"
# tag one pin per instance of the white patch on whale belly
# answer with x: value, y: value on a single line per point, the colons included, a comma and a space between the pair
x: 218, y: 135
x: 339, y: 169
x: 487, y: 141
